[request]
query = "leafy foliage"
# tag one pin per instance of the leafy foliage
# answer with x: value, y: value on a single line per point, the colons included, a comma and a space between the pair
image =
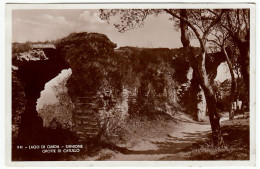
x: 152, y: 77
x: 58, y: 115
x: 18, y: 104
x: 130, y: 18
x: 89, y: 56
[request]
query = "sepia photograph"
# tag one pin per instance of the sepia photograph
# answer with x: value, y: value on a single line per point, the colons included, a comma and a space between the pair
x: 131, y: 82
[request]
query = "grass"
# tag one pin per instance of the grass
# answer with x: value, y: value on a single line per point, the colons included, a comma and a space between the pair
x: 236, y: 146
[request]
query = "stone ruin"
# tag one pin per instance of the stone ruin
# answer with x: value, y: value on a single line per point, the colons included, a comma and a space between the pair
x: 84, y: 54
x: 29, y: 78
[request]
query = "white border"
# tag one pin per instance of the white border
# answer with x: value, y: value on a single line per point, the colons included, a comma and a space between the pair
x: 127, y: 163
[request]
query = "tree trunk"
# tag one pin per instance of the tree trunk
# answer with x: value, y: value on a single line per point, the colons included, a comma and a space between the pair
x: 211, y: 102
x: 195, y: 89
x: 244, y: 62
x: 198, y: 66
x: 233, y: 85
x: 202, y: 106
x: 197, y: 102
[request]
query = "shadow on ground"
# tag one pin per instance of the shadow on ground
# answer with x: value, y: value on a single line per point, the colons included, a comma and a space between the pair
x: 198, y: 145
x: 237, y: 145
x: 172, y: 145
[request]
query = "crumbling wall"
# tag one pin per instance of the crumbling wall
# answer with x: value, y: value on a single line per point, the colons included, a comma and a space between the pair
x: 89, y: 56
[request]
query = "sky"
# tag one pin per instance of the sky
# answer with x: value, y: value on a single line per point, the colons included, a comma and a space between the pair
x: 48, y: 94
x: 51, y: 24
x: 42, y: 25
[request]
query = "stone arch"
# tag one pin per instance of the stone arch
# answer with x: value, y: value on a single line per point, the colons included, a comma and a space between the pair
x: 78, y: 51
x: 34, y: 69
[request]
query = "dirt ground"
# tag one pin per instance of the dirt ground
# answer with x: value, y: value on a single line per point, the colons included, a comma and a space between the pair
x: 168, y: 142
x: 183, y: 134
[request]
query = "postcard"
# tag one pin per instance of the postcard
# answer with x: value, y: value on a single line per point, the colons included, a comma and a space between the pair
x: 130, y: 84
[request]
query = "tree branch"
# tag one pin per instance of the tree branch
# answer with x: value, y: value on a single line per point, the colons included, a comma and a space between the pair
x: 213, y: 23
x: 189, y: 24
x: 212, y: 12
x: 207, y: 31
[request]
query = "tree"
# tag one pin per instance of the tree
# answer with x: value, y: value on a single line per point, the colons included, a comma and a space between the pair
x: 237, y: 23
x: 188, y: 22
x: 222, y: 41
x: 233, y: 34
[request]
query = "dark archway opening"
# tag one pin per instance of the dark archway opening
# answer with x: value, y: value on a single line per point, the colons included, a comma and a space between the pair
x: 33, y: 74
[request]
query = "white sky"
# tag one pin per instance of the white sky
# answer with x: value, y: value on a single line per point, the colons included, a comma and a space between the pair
x: 48, y: 95
x: 42, y: 25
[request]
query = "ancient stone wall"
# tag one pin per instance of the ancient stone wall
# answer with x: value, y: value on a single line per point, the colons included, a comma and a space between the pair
x: 87, y: 124
x: 94, y: 65
x: 89, y: 56
x: 33, y: 74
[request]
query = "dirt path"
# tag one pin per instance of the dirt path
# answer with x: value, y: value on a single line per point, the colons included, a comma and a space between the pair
x: 185, y: 132
x: 168, y: 142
